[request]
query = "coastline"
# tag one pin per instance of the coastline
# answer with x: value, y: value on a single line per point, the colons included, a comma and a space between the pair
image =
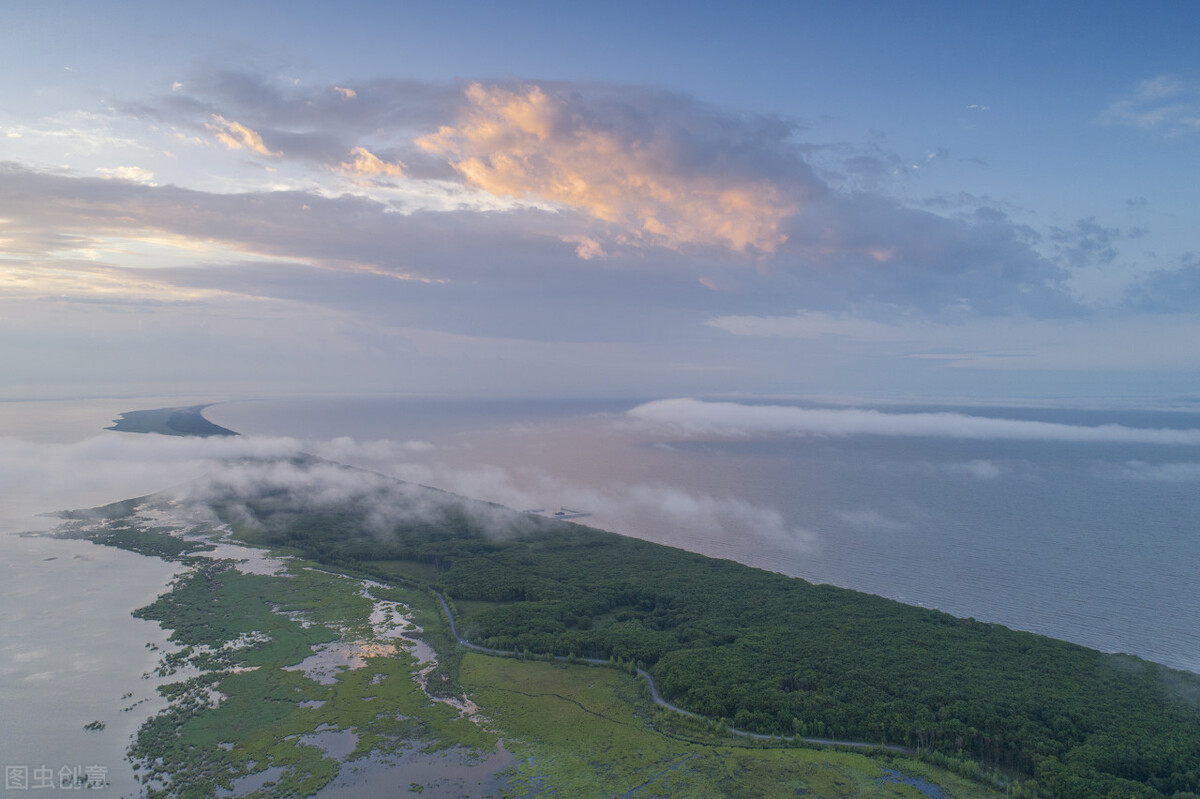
x: 671, y: 669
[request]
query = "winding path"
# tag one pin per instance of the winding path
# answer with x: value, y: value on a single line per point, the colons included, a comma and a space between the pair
x: 658, y: 700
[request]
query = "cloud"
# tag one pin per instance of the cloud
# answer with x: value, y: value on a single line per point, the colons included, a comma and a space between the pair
x: 657, y: 512
x: 586, y: 248
x: 1185, y: 472
x: 869, y: 520
x: 367, y: 164
x: 728, y: 419
x: 134, y: 173
x: 1174, y: 290
x: 237, y: 136
x: 80, y: 134
x: 614, y: 171
x: 1119, y: 341
x: 346, y: 449
x: 624, y: 188
x: 47, y: 477
x: 1166, y: 103
x: 874, y: 249
x: 308, y: 124
x: 1086, y: 242
x: 979, y: 469
x: 42, y: 477
x: 345, y: 232
x: 809, y: 325
x: 659, y: 168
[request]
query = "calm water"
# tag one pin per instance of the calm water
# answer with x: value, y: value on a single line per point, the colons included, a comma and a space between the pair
x: 70, y: 653
x: 1095, y: 543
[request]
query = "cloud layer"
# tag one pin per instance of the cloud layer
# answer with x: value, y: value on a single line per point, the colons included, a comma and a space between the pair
x: 1168, y: 104
x: 406, y: 233
x: 659, y: 167
x: 696, y: 417
x: 42, y: 478
x: 660, y: 512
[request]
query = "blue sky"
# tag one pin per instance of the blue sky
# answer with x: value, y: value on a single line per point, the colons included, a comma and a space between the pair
x: 668, y: 199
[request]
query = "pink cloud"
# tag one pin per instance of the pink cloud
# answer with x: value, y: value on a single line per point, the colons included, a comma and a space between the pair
x: 527, y: 142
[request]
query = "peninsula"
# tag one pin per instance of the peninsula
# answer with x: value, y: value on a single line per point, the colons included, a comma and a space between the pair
x: 735, y: 648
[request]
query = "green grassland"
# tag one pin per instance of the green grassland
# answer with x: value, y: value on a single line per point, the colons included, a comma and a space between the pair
x: 588, y: 731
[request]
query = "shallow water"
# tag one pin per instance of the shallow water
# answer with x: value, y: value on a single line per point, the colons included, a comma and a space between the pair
x: 449, y: 773
x: 70, y: 653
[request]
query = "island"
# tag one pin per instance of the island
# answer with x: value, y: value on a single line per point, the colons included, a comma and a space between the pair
x: 182, y: 421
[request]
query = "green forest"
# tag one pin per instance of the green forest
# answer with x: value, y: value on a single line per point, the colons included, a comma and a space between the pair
x: 764, y: 652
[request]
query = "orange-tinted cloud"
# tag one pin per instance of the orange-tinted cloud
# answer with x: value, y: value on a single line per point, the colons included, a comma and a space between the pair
x: 237, y: 136
x: 586, y: 247
x: 368, y: 165
x: 640, y: 177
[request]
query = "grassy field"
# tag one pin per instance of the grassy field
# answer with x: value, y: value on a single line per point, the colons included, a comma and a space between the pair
x: 589, y: 731
x: 249, y: 709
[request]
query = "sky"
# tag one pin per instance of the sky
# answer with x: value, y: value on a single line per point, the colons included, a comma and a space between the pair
x: 863, y: 199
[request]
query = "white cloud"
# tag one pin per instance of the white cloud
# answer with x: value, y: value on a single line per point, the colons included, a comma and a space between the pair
x: 134, y: 173
x: 979, y: 469
x: 47, y: 477
x: 871, y: 520
x: 1179, y: 472
x: 663, y: 513
x: 696, y: 417
x: 813, y: 324
x: 346, y: 449
x: 1166, y: 103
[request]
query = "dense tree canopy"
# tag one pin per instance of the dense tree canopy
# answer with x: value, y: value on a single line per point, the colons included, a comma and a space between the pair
x: 771, y: 653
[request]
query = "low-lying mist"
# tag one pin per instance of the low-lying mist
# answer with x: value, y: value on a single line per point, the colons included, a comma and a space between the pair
x: 48, y: 477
